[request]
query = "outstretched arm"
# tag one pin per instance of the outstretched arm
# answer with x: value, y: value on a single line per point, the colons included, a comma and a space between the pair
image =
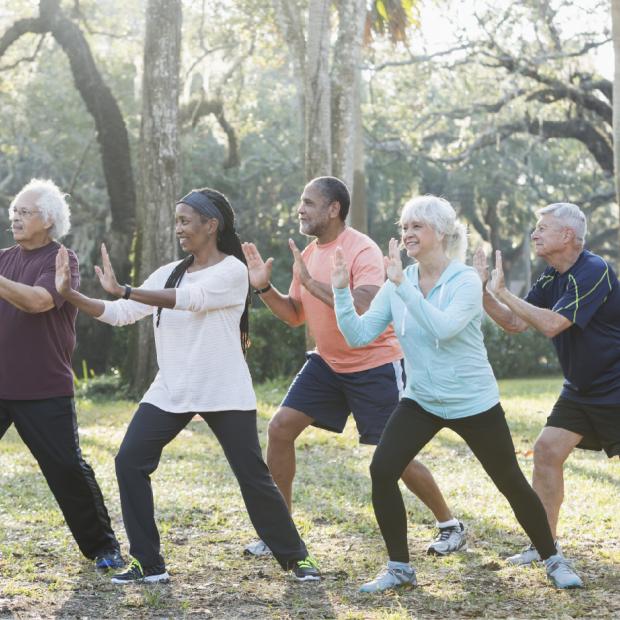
x: 121, y: 312
x: 357, y: 330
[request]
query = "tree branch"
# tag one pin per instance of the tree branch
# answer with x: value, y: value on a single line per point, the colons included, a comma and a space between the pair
x: 577, y: 129
x: 30, y: 58
x: 34, y: 25
x: 194, y: 110
x: 417, y: 59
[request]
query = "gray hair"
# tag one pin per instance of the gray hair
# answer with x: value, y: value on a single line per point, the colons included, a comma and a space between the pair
x: 440, y: 215
x: 51, y: 202
x: 570, y: 215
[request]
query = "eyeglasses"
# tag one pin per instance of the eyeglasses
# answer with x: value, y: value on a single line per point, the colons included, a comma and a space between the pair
x: 24, y: 214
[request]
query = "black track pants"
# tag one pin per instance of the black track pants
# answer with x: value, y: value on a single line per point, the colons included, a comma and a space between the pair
x: 151, y: 429
x: 49, y: 428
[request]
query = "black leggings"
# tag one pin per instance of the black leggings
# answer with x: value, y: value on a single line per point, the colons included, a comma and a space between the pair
x: 409, y: 429
x: 138, y: 457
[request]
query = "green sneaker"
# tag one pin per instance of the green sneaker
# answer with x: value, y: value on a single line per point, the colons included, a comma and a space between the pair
x: 136, y: 574
x: 306, y: 570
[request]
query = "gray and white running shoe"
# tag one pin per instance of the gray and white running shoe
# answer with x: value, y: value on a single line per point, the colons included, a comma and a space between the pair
x: 561, y: 573
x: 257, y: 549
x: 529, y: 555
x: 390, y: 578
x: 449, y: 540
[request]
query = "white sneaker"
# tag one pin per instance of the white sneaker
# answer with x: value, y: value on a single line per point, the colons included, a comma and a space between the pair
x: 257, y: 549
x: 529, y: 555
x: 390, y: 579
x: 449, y: 540
x: 561, y: 573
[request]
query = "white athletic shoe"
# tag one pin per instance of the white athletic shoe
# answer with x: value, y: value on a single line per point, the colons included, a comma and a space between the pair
x: 448, y: 540
x: 529, y: 555
x: 390, y: 579
x: 561, y: 573
x: 257, y: 549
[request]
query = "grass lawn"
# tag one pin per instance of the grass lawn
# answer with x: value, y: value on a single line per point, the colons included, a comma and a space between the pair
x: 204, y: 528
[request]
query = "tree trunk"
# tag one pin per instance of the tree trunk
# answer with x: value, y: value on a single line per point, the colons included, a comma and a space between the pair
x: 159, y: 156
x: 359, y: 207
x: 345, y: 85
x: 111, y: 131
x: 615, y: 21
x: 318, y: 151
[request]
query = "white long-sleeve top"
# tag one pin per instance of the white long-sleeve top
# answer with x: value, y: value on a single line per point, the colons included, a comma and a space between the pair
x: 201, y: 363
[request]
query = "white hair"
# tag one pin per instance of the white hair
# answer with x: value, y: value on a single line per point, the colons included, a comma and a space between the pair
x: 51, y: 202
x: 570, y: 215
x: 440, y: 215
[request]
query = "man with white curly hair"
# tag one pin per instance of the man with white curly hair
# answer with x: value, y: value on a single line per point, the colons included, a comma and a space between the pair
x: 37, y: 338
x: 576, y: 303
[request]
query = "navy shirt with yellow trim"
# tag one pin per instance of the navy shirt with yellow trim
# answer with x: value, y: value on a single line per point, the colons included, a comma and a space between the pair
x: 588, y: 295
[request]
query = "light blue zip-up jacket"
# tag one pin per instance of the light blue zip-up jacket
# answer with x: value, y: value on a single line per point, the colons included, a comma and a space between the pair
x: 448, y: 372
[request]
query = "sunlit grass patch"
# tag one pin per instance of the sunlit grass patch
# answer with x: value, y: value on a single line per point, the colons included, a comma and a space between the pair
x: 204, y: 527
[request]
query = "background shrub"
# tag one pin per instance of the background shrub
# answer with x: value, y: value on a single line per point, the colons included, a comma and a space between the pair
x: 529, y: 354
x: 277, y: 350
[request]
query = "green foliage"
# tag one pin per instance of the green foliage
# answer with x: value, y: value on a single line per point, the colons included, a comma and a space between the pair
x: 528, y: 354
x: 92, y: 386
x: 277, y: 350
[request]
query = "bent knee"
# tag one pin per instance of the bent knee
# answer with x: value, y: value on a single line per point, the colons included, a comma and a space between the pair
x: 283, y: 427
x: 382, y: 470
x: 547, y: 453
x: 126, y: 460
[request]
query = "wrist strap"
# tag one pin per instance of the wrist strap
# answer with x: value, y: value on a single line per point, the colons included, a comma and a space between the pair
x: 260, y: 291
x: 127, y: 292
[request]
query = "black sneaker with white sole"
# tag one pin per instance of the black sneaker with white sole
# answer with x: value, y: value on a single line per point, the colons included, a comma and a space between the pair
x: 136, y: 573
x: 306, y: 570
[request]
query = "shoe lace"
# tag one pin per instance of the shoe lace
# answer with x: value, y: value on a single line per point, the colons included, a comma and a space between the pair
x: 445, y: 533
x: 135, y: 567
x: 307, y: 563
x: 563, y: 564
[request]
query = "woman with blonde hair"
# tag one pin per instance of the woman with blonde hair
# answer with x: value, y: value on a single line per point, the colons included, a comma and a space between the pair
x: 435, y: 306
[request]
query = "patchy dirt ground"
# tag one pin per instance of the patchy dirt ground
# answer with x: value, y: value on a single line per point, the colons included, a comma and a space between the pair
x: 204, y: 526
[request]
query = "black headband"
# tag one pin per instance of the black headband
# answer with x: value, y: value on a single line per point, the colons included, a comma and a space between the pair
x: 204, y: 206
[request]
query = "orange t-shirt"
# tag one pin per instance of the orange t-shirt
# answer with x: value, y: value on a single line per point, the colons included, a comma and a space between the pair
x: 365, y: 262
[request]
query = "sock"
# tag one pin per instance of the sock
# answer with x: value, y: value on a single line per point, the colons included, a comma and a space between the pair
x: 454, y: 522
x: 400, y: 566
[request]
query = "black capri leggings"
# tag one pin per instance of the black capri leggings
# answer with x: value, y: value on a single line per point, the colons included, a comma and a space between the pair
x: 409, y: 429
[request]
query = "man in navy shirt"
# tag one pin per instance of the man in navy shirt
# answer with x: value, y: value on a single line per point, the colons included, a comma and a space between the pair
x: 576, y: 303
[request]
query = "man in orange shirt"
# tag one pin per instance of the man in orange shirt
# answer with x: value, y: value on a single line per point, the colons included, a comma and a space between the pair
x: 337, y: 380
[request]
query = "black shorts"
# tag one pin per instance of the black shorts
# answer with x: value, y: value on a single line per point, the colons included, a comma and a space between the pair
x: 599, y: 425
x: 329, y: 397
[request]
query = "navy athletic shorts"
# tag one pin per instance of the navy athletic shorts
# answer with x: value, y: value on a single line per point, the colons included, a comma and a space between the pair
x: 329, y: 397
x: 599, y: 425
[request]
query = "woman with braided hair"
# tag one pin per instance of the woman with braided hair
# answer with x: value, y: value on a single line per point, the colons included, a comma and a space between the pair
x: 199, y: 307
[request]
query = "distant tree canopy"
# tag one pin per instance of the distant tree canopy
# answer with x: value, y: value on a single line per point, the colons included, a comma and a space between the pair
x: 508, y: 115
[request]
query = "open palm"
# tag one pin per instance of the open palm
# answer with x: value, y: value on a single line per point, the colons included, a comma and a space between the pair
x: 258, y: 269
x: 106, y: 275
x: 393, y: 262
x: 63, y: 271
